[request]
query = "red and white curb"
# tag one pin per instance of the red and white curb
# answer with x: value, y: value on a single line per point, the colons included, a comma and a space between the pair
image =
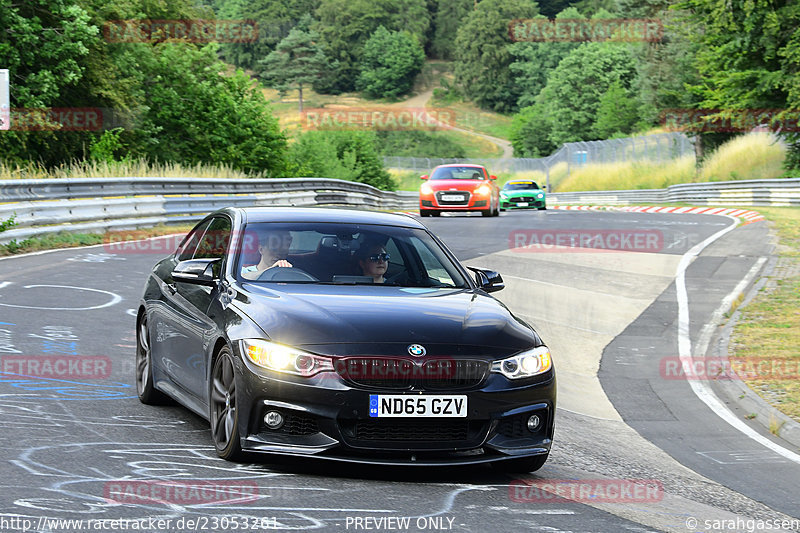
x: 746, y: 215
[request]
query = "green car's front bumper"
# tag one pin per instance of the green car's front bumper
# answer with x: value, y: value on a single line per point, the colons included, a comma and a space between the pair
x: 524, y: 200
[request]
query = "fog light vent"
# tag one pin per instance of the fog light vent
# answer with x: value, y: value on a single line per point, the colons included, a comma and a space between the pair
x: 533, y: 423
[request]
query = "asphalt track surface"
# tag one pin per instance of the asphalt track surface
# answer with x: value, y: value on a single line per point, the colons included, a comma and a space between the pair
x: 66, y: 442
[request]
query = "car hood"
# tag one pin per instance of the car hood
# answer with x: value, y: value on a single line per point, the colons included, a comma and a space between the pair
x: 459, y: 185
x: 522, y: 192
x: 354, y: 320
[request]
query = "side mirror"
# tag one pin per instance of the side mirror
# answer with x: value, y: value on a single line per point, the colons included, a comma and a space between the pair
x: 488, y: 280
x: 492, y: 177
x: 423, y: 177
x: 197, y: 271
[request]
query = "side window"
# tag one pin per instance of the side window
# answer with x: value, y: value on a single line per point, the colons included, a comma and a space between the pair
x: 215, y: 241
x: 189, y: 245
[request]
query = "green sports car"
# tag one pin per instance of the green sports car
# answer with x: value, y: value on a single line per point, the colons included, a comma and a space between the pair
x: 522, y: 195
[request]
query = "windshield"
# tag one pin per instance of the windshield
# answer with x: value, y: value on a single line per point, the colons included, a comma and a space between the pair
x: 344, y: 254
x: 519, y: 186
x: 458, y: 173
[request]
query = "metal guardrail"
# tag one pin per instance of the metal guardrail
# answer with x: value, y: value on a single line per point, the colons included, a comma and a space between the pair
x: 771, y: 192
x: 40, y: 207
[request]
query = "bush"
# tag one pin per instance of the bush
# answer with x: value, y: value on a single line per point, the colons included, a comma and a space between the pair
x: 418, y: 144
x: 391, y: 62
x: 348, y: 155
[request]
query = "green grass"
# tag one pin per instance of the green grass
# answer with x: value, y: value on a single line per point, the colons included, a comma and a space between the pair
x: 71, y: 240
x: 751, y: 156
x: 471, y: 117
x: 769, y: 326
x: 140, y: 168
x: 628, y: 175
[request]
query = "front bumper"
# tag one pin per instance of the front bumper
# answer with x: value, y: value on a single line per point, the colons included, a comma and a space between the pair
x: 328, y: 418
x: 514, y: 203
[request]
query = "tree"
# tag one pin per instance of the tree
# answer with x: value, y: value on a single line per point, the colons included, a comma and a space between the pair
x: 533, y: 61
x: 391, y: 61
x: 297, y: 62
x: 575, y: 87
x: 449, y: 17
x: 346, y: 25
x: 346, y: 154
x: 45, y: 45
x: 482, y: 55
x: 530, y: 132
x: 275, y: 19
x: 617, y: 112
x: 195, y: 115
x: 748, y: 57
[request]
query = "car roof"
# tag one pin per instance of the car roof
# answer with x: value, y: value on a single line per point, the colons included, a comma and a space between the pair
x: 473, y: 165
x: 324, y: 214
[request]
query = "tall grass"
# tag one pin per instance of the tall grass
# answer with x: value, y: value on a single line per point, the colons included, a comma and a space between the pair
x: 137, y: 168
x: 629, y: 175
x: 753, y: 156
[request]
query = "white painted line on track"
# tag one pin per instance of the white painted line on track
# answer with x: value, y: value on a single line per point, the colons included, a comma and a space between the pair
x: 701, y: 389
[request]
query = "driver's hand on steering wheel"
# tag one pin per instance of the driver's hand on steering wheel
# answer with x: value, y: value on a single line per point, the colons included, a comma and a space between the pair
x: 281, y: 263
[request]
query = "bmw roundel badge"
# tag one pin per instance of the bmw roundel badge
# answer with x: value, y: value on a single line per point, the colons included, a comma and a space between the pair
x: 417, y: 350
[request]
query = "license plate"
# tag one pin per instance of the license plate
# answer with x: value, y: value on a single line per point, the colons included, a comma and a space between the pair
x: 452, y: 198
x: 522, y: 204
x: 416, y: 406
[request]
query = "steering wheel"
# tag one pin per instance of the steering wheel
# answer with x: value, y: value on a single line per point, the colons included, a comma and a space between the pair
x: 285, y: 274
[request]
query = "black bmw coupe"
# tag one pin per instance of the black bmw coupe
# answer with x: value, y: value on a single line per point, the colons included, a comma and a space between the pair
x: 345, y: 335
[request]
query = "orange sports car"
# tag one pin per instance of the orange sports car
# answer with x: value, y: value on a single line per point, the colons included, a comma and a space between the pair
x: 459, y: 187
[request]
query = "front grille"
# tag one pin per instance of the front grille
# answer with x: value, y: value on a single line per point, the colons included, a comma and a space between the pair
x: 377, y: 373
x: 412, y: 430
x: 402, y: 374
x: 523, y: 199
x: 297, y: 424
x: 441, y: 374
x: 463, y: 200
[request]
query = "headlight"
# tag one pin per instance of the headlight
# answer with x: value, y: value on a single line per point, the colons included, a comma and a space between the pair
x: 526, y: 364
x: 503, y: 194
x: 483, y: 190
x: 282, y: 358
x: 426, y: 189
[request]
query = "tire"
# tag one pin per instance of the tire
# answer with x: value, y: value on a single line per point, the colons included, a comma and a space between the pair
x: 486, y: 213
x: 497, y: 209
x: 223, y: 414
x: 144, y: 366
x: 424, y: 213
x: 435, y: 213
x: 521, y: 466
x: 543, y: 208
